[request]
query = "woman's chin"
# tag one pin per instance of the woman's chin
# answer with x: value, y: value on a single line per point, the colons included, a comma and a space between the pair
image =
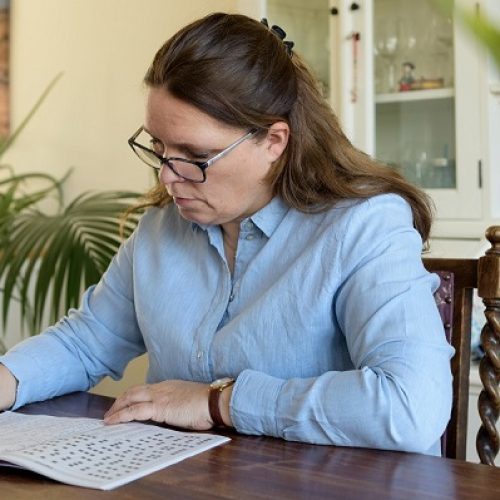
x: 195, y: 216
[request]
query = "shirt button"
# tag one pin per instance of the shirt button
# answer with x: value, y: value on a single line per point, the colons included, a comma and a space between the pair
x: 231, y: 297
x: 199, y: 354
x: 250, y: 237
x: 249, y: 225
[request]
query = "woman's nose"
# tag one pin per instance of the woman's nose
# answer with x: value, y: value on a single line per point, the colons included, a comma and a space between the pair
x: 167, y: 176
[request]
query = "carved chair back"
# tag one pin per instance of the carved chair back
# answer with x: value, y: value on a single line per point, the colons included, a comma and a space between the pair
x: 459, y: 277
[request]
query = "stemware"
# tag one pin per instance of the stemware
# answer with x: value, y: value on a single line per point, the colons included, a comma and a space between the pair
x: 386, y: 48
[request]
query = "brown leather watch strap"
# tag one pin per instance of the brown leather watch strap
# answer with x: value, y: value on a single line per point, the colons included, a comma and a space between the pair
x: 213, y: 403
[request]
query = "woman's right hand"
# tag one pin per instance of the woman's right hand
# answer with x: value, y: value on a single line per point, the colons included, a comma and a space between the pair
x: 8, y: 387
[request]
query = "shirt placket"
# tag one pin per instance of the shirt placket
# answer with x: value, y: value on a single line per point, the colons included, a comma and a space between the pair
x: 203, y: 337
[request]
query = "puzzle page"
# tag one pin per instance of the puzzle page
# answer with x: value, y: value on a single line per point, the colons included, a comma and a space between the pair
x: 85, y: 452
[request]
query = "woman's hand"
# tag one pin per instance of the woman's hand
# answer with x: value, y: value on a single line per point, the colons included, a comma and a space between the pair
x: 174, y: 402
x: 8, y: 387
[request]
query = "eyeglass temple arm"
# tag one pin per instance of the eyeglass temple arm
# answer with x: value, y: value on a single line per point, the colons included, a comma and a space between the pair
x: 230, y: 148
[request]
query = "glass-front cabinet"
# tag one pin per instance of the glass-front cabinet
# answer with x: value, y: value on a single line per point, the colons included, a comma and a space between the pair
x: 307, y: 23
x: 425, y: 77
x: 405, y: 82
x: 414, y: 91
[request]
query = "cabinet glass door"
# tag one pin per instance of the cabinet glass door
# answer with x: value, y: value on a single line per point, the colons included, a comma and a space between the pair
x: 307, y: 25
x: 413, y: 45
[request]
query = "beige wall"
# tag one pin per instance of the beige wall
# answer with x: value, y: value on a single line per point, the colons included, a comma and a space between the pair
x: 103, y: 47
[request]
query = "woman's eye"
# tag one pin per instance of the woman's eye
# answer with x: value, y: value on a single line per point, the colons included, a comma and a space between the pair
x: 157, y: 146
x: 199, y: 156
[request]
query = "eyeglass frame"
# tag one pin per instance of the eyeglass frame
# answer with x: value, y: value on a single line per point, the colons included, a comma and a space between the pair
x: 202, y: 165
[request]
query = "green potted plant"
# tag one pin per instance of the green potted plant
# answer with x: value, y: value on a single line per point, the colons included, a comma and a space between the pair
x: 48, y: 259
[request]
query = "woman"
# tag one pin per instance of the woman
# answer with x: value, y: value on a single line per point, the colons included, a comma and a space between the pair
x: 274, y: 256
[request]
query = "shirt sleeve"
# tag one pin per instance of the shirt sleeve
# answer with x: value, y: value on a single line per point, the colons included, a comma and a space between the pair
x: 98, y: 339
x: 399, y: 394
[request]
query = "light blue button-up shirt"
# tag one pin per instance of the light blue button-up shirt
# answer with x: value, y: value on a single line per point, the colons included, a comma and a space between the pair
x: 328, y: 323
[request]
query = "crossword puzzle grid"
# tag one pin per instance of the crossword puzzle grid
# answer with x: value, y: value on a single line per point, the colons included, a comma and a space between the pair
x: 102, y: 458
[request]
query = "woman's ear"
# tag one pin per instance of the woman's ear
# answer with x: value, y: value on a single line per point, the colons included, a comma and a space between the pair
x: 277, y: 140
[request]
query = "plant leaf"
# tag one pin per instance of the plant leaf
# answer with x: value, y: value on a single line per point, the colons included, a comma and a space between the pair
x: 11, y: 139
x: 477, y: 22
x: 61, y: 255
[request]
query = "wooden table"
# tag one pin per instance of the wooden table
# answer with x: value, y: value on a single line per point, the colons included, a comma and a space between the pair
x: 259, y: 467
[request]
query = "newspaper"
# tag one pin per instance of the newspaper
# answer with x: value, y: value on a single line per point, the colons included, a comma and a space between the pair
x: 86, y: 452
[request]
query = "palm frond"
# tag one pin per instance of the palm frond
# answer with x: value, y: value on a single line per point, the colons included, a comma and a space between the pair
x: 52, y: 258
x: 4, y: 145
x: 58, y: 256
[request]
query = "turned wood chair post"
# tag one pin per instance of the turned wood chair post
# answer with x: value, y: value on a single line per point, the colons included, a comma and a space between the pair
x: 488, y: 440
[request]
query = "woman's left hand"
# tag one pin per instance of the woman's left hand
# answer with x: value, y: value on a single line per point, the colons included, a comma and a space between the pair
x: 174, y: 402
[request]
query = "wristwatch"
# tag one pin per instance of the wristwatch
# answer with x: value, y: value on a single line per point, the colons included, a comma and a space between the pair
x: 216, y: 388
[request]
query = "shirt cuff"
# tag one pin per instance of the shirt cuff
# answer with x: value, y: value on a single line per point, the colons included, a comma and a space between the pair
x: 16, y: 363
x: 253, y: 403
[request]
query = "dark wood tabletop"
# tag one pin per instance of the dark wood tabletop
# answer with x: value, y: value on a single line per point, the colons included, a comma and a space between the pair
x: 261, y: 467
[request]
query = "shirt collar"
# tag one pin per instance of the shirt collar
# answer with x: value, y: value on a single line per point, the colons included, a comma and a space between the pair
x: 267, y: 219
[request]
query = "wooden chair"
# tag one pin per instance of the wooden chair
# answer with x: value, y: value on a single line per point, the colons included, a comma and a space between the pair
x: 459, y: 277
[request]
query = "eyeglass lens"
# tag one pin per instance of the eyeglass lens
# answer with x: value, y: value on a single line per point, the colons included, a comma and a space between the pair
x: 181, y: 167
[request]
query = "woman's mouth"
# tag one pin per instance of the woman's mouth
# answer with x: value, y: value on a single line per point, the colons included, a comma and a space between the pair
x: 183, y: 202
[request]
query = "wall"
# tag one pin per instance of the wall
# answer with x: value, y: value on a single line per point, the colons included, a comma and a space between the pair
x: 103, y: 47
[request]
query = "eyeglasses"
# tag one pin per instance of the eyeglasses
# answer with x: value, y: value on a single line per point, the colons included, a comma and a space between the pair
x: 189, y: 170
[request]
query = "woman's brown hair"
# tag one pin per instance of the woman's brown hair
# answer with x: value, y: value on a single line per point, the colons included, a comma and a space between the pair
x: 238, y: 71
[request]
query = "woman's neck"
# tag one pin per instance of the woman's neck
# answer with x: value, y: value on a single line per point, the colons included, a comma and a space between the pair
x: 230, y: 235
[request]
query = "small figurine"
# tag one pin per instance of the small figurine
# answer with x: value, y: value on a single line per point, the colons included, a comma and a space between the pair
x: 406, y: 81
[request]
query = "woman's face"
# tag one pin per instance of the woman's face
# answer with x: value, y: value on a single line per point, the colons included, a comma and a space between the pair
x: 234, y: 187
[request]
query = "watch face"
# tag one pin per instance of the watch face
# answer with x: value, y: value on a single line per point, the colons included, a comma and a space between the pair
x: 221, y: 382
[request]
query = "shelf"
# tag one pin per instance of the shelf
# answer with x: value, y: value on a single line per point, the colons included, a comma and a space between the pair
x: 415, y: 95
